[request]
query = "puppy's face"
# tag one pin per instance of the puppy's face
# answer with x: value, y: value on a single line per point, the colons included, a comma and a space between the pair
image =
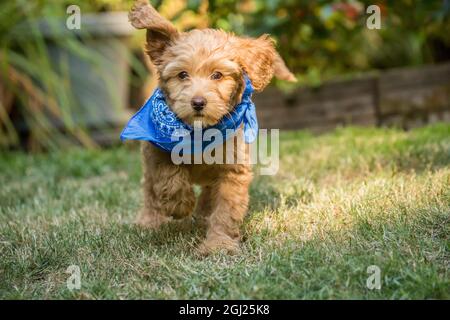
x: 202, y: 71
x: 201, y: 78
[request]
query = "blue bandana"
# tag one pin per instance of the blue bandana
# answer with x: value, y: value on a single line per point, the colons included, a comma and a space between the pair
x: 156, y: 123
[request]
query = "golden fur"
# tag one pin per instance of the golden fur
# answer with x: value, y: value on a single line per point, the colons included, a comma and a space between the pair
x: 212, y: 64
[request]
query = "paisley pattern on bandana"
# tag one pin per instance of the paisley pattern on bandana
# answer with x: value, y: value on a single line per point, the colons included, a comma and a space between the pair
x: 164, y: 119
x: 157, y: 123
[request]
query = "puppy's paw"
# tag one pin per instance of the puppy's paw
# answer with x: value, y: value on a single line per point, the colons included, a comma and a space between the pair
x: 151, y: 221
x: 218, y: 244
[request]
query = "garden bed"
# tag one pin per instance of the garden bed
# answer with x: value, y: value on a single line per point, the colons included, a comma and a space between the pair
x: 403, y: 97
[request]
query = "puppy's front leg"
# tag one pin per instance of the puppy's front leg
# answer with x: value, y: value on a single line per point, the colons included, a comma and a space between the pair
x: 230, y: 204
x: 204, y: 206
x: 167, y: 190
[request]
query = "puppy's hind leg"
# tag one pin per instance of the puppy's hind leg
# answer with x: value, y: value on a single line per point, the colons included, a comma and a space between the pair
x: 167, y: 190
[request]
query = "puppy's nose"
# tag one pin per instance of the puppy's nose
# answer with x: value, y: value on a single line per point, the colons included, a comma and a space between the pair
x: 198, y: 103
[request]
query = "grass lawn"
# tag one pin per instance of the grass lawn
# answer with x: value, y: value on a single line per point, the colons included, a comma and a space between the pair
x: 340, y: 203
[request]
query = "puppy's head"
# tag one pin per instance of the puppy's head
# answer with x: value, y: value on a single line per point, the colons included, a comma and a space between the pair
x: 202, y: 71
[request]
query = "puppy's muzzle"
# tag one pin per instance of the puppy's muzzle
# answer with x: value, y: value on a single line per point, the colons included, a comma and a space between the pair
x: 198, y: 103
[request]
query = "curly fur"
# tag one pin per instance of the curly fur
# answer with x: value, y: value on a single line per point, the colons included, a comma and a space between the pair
x: 168, y: 192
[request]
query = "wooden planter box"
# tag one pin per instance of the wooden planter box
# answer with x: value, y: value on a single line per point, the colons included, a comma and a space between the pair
x: 406, y: 98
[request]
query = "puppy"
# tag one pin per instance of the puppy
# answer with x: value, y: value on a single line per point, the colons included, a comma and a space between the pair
x: 202, y: 69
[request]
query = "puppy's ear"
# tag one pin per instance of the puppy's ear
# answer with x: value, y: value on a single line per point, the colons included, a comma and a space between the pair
x: 261, y: 61
x: 281, y: 71
x: 160, y: 32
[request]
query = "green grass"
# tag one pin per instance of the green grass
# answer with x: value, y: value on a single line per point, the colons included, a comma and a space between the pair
x: 340, y: 203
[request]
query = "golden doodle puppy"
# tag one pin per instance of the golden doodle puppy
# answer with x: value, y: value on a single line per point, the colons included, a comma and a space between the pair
x: 202, y: 74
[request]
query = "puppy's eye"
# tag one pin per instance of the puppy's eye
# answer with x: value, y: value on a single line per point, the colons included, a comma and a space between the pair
x: 183, y: 75
x: 216, y: 76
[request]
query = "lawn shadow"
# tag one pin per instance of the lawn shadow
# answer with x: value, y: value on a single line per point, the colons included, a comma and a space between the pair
x: 172, y: 235
x: 263, y: 195
x: 268, y: 194
x: 423, y: 149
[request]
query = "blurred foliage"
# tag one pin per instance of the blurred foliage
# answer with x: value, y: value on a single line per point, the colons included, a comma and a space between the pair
x: 322, y: 39
x: 37, y: 100
x: 318, y: 39
x: 29, y: 80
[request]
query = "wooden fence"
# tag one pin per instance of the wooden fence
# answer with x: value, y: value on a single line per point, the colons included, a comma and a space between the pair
x: 405, y: 98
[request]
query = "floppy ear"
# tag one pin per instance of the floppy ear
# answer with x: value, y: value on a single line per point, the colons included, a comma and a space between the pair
x: 261, y: 61
x: 281, y: 71
x: 160, y: 32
